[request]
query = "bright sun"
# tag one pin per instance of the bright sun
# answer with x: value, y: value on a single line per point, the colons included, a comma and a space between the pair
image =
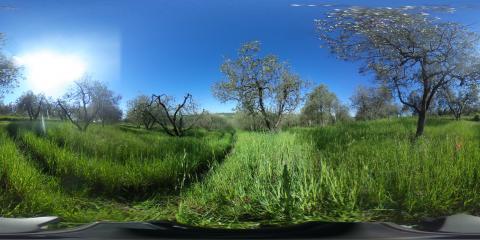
x: 51, y: 72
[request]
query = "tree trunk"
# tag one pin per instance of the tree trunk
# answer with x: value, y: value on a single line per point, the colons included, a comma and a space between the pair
x: 421, y: 122
x: 458, y: 116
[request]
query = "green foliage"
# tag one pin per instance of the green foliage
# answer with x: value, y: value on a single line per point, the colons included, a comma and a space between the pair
x: 261, y: 86
x: 211, y: 121
x: 323, y: 108
x: 139, y: 110
x: 381, y: 40
x: 476, y: 118
x: 244, y: 121
x: 373, y: 103
x: 10, y: 71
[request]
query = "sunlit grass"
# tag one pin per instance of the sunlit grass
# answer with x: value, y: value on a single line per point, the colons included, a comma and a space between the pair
x: 361, y: 171
x: 110, y: 162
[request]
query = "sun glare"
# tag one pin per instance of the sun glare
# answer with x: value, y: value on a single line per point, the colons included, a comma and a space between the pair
x: 50, y: 72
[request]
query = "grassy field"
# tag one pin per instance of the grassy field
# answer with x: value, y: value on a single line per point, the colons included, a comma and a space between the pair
x: 361, y: 171
x: 356, y: 172
x: 104, y: 174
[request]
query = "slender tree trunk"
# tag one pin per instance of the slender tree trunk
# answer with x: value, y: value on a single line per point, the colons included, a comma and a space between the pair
x: 457, y: 116
x: 421, y: 122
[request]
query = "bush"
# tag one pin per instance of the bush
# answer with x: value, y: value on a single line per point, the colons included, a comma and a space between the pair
x: 214, y: 122
x: 244, y: 121
x: 476, y: 118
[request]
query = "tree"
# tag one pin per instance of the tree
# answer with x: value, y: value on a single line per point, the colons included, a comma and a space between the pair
x: 110, y: 113
x: 342, y: 113
x: 373, y: 103
x: 459, y: 98
x: 246, y: 121
x: 211, y: 121
x: 53, y: 110
x: 291, y: 120
x: 175, y: 119
x: 7, y: 109
x: 322, y: 107
x: 259, y: 85
x: 107, y: 103
x: 139, y: 110
x: 407, y: 50
x: 79, y: 104
x: 31, y: 104
x: 9, y: 72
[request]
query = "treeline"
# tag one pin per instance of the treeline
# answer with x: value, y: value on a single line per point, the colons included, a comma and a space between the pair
x: 85, y: 102
x: 421, y: 67
x: 268, y: 96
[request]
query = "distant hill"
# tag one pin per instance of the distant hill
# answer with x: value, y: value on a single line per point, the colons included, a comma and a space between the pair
x: 227, y: 115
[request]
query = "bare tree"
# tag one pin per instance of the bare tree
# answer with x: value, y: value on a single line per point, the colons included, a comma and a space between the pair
x: 459, y: 98
x: 31, y: 104
x: 407, y: 50
x: 79, y: 105
x: 53, y: 109
x: 175, y: 119
x: 259, y: 85
x: 107, y: 103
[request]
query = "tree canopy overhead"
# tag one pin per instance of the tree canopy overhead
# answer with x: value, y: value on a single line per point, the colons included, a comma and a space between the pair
x: 407, y: 50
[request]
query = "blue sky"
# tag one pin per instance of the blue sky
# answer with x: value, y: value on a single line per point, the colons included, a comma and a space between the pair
x: 175, y: 47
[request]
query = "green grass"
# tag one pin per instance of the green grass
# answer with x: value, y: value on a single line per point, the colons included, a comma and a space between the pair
x: 114, y: 163
x: 360, y: 171
x: 26, y: 192
x: 57, y: 174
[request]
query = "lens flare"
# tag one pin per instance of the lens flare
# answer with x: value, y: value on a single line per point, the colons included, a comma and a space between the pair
x: 50, y: 72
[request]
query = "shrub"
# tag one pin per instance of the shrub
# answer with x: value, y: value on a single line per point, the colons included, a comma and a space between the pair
x: 476, y: 118
x: 214, y: 122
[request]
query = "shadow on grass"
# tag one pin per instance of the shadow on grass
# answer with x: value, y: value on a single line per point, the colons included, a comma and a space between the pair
x: 78, y: 184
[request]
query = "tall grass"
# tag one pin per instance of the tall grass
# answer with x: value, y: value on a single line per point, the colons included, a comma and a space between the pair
x: 359, y: 171
x: 177, y: 161
x: 362, y: 171
x: 24, y: 190
x: 27, y: 189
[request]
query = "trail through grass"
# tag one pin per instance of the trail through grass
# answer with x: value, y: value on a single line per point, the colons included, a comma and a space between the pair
x: 40, y: 176
x: 360, y: 171
x: 114, y: 171
x: 26, y: 192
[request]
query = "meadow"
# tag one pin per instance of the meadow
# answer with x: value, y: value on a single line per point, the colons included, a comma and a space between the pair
x: 358, y: 171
